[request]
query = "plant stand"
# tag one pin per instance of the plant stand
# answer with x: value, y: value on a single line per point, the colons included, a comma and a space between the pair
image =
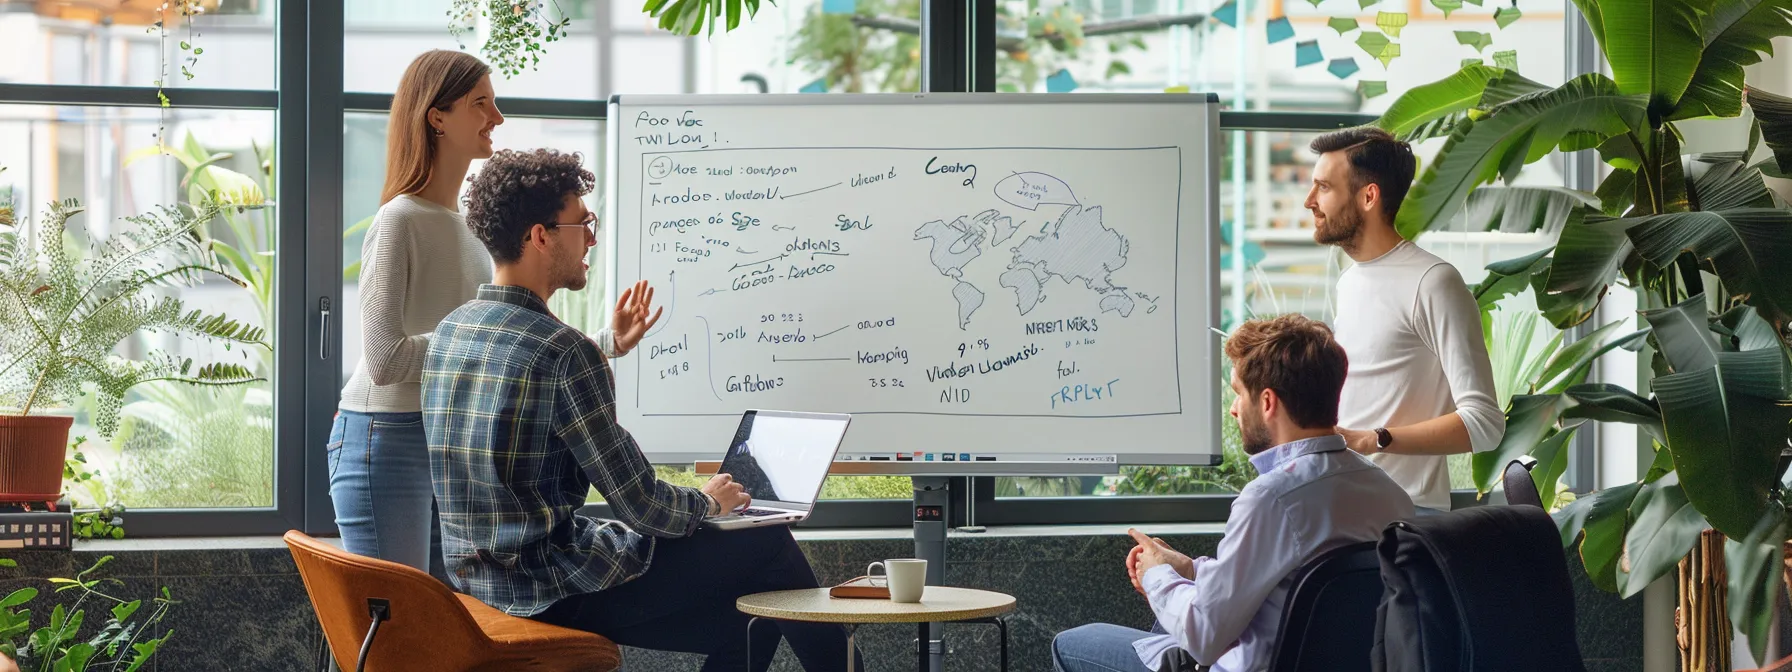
x: 1702, y: 620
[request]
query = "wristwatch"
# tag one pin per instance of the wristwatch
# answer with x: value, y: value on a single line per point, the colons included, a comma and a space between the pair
x: 1383, y: 438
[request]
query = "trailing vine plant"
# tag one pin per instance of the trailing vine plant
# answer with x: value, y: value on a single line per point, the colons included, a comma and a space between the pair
x: 189, y: 46
x: 518, y: 30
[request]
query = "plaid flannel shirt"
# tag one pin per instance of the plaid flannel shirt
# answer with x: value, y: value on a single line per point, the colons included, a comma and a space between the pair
x: 520, y: 413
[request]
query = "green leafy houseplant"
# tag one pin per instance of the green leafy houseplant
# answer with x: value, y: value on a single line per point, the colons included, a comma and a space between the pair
x: 64, y: 312
x: 119, y: 643
x: 1700, y: 239
x: 517, y: 30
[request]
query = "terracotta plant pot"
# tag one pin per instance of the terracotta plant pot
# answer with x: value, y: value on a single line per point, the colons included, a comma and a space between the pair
x: 32, y: 451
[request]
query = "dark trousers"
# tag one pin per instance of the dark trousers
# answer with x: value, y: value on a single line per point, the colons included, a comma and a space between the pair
x: 685, y: 602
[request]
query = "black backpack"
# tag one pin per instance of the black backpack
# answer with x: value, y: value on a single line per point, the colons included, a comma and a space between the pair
x: 1483, y: 589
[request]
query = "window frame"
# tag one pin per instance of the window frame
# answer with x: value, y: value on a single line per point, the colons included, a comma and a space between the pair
x: 959, y: 54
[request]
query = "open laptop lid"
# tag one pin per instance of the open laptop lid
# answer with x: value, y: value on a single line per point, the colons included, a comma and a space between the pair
x: 782, y: 457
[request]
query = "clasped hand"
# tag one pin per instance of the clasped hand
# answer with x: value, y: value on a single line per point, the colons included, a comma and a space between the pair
x: 729, y: 496
x: 1152, y: 552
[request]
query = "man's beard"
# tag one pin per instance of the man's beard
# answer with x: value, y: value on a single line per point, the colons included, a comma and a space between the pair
x: 1340, y: 229
x: 571, y: 275
x: 1255, y: 435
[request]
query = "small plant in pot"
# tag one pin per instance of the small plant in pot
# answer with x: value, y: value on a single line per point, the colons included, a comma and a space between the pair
x: 66, y: 308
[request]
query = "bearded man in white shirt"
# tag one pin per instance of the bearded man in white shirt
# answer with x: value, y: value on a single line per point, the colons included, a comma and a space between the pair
x: 1311, y: 495
x: 1421, y: 386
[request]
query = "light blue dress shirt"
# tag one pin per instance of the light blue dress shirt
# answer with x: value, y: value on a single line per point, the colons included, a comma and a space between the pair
x: 1310, y: 496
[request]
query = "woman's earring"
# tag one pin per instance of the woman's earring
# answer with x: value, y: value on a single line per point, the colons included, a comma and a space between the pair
x: 440, y: 132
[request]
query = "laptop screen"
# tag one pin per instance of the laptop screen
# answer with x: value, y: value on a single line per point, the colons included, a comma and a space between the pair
x: 783, y: 457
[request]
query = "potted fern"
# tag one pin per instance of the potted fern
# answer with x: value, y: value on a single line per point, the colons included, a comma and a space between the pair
x: 63, y: 313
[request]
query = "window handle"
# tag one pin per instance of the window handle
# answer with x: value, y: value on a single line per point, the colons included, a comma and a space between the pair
x: 323, y: 328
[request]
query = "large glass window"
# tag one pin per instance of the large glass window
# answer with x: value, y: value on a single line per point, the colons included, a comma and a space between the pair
x: 1311, y: 55
x: 177, y: 445
x: 222, y: 44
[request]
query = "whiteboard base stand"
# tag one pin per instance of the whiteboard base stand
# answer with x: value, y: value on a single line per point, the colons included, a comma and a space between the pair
x: 932, y: 496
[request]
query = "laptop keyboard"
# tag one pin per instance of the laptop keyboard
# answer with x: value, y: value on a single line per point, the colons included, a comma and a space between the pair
x: 750, y: 512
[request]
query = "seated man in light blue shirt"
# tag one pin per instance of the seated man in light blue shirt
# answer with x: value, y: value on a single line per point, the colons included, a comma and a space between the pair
x: 1311, y: 495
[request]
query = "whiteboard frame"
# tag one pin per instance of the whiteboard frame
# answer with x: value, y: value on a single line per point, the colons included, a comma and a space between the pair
x: 1211, y: 242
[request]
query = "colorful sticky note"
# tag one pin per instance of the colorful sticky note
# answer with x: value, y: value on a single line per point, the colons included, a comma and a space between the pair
x: 1447, y: 5
x: 1176, y: 89
x: 1506, y: 15
x: 1479, y: 40
x: 1506, y: 59
x: 1279, y: 29
x: 1476, y: 3
x: 1469, y: 61
x: 1370, y: 88
x: 1307, y: 53
x: 1060, y: 82
x: 839, y: 6
x: 1343, y: 67
x: 1389, y: 54
x: 1372, y: 43
x: 1391, y: 22
x: 1342, y: 24
x: 1365, y: 4
x: 1315, y: 3
x: 817, y: 86
x: 1227, y: 14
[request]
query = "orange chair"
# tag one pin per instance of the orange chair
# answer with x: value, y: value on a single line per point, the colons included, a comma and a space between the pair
x: 424, y: 626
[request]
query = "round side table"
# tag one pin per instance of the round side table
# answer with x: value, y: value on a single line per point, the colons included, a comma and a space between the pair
x: 939, y: 604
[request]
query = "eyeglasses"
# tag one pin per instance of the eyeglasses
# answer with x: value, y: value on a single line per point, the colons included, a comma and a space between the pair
x: 589, y: 222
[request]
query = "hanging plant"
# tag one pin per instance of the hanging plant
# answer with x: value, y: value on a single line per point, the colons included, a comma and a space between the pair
x: 518, y: 30
x: 186, y: 10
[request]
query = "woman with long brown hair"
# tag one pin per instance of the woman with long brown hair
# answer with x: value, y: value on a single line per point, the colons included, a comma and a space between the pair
x: 420, y: 262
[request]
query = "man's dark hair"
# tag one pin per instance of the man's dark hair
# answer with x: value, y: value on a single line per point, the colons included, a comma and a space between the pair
x: 517, y: 190
x: 1376, y: 157
x: 1298, y: 358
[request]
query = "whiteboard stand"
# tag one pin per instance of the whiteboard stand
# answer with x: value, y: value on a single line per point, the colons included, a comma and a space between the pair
x: 932, y: 496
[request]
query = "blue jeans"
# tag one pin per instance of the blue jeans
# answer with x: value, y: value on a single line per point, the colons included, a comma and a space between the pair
x: 1099, y: 647
x: 379, y: 483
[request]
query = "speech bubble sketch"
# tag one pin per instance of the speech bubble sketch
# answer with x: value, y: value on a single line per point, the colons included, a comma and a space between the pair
x: 1031, y: 190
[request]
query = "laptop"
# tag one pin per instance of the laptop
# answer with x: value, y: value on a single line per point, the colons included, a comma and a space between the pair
x: 781, y: 458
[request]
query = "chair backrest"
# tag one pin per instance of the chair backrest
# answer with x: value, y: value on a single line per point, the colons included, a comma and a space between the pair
x: 425, y: 615
x: 1329, y: 621
x: 1519, y: 486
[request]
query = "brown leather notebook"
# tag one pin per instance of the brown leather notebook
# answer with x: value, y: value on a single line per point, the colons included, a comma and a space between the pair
x: 862, y: 588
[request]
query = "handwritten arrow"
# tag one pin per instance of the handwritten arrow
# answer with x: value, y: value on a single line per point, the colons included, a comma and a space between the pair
x: 775, y: 227
x: 746, y: 251
x: 811, y: 191
x: 708, y: 292
x: 830, y: 254
x: 711, y: 357
x: 755, y: 263
x: 671, y: 281
x: 836, y: 331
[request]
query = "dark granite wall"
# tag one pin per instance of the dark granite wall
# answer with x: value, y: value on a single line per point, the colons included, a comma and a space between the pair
x: 245, y: 609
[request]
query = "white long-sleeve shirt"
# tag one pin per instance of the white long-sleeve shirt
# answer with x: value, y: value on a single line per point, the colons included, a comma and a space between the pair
x: 1310, y: 496
x: 1412, y: 331
x: 418, y: 263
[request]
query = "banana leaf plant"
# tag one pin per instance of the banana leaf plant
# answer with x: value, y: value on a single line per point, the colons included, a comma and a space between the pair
x: 1700, y: 239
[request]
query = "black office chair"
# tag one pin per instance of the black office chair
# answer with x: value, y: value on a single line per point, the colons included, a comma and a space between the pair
x: 1519, y: 487
x: 1328, y: 623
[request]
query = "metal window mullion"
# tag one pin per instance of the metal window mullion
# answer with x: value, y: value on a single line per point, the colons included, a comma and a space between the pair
x: 291, y: 491
x: 319, y: 64
x: 138, y: 96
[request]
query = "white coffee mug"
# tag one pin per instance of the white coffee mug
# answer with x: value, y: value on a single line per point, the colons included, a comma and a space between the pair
x: 907, y: 578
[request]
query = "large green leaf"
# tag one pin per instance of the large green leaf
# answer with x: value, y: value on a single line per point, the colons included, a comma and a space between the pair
x: 1666, y: 525
x: 1588, y: 258
x: 1602, y: 516
x: 1507, y: 87
x: 1437, y: 100
x: 1652, y: 46
x: 1737, y: 33
x: 1725, y: 181
x: 1531, y: 418
x: 1724, y: 415
x: 1525, y: 209
x: 1751, y: 332
x: 1774, y: 113
x: 1552, y: 462
x: 1746, y: 247
x: 1617, y: 192
x: 1605, y: 402
x: 1570, y: 366
x: 1589, y: 106
x: 1757, y: 570
x: 1505, y: 278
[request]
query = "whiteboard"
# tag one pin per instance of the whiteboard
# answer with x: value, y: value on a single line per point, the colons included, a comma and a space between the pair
x: 1006, y: 279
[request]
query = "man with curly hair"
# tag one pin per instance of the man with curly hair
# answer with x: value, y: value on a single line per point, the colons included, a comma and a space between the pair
x: 520, y: 412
